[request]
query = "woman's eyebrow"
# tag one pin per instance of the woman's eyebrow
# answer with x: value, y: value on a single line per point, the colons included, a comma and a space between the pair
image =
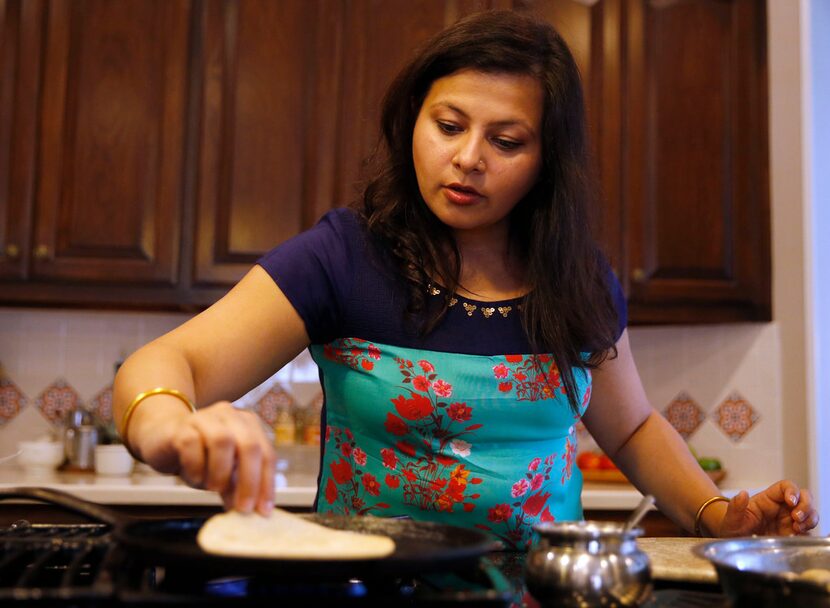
x: 498, y: 123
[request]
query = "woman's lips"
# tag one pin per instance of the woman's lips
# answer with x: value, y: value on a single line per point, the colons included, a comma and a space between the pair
x: 461, y: 195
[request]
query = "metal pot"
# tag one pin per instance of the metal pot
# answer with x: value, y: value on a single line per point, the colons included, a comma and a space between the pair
x: 588, y: 563
x: 768, y: 571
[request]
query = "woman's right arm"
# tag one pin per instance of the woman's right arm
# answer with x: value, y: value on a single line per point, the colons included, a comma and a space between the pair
x: 215, y: 357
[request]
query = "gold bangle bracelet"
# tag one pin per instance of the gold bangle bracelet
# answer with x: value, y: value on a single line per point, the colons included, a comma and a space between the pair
x: 125, y: 420
x: 702, y: 508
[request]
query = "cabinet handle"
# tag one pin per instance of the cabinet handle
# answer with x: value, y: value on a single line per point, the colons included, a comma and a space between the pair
x: 41, y: 252
x: 12, y: 251
x: 638, y: 275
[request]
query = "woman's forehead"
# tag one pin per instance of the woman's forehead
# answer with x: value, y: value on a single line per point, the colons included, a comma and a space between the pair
x: 499, y: 97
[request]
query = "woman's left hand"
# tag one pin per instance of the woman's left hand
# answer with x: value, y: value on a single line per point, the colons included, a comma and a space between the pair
x: 781, y: 510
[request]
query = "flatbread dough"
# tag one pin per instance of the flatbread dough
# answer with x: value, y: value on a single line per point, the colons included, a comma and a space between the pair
x: 283, y: 535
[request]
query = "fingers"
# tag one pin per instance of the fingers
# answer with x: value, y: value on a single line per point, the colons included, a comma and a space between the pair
x: 734, y: 520
x: 804, y: 515
x: 225, y: 450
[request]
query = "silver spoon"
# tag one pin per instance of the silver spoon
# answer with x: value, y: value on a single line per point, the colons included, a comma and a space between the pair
x: 639, y: 512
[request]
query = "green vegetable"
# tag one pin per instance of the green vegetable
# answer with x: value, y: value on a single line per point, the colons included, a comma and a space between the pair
x: 709, y: 464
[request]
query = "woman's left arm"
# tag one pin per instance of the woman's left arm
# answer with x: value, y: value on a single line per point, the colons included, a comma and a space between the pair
x: 657, y: 461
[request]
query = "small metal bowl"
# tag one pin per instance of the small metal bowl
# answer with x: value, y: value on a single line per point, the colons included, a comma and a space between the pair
x: 588, y: 563
x: 768, y: 571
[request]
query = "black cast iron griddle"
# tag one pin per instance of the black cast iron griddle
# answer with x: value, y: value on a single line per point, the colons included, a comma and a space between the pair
x: 419, y: 546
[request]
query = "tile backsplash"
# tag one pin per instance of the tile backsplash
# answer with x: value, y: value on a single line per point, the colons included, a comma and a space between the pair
x: 718, y: 385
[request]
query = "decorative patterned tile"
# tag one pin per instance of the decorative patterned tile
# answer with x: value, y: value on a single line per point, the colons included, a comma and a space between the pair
x: 735, y: 416
x: 12, y: 400
x: 271, y: 402
x: 57, y: 400
x: 684, y: 414
x: 101, y: 405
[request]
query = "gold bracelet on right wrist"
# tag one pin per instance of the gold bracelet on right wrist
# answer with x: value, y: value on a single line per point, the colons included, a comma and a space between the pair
x: 128, y: 413
x: 698, y: 531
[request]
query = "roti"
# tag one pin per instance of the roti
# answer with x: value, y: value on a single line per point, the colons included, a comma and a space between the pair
x: 283, y: 535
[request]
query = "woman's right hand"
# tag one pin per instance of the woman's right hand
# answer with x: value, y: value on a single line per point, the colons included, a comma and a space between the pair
x: 219, y: 448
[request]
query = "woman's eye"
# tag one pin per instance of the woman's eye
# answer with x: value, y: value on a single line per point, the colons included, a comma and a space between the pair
x: 506, y: 144
x: 448, y: 128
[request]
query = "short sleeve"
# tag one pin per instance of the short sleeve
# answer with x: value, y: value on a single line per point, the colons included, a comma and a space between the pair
x: 618, y: 298
x: 314, y: 271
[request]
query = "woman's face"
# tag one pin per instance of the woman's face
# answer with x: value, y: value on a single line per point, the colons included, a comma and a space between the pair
x: 477, y: 148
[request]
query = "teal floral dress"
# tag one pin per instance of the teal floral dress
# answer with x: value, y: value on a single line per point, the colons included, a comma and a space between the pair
x: 480, y: 441
x: 462, y: 427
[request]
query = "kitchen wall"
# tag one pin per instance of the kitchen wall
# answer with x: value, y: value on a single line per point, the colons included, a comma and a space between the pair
x: 759, y: 375
x: 719, y: 384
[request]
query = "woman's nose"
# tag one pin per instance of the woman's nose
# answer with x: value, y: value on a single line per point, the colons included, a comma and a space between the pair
x: 468, y: 156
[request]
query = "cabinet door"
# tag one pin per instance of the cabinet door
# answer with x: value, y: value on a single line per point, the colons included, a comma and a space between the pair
x: 269, y: 95
x: 695, y: 161
x: 290, y: 102
x: 20, y: 23
x: 111, y: 153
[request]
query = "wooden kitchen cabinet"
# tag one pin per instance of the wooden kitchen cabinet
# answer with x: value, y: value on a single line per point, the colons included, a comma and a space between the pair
x: 153, y: 150
x: 676, y: 96
x: 695, y: 183
x: 98, y: 218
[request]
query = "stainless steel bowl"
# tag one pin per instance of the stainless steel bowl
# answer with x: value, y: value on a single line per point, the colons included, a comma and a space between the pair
x: 588, y: 563
x: 768, y: 571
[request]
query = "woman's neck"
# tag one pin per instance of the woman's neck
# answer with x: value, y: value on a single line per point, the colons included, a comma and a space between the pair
x: 490, y: 268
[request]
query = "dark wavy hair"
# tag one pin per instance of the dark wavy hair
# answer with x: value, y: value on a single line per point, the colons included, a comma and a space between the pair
x: 569, y: 307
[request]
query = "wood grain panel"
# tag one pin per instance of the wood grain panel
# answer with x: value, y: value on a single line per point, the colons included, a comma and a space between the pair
x: 111, y: 160
x: 269, y: 98
x: 20, y: 31
x: 696, y: 163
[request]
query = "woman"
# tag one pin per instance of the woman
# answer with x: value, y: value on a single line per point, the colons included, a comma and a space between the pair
x: 462, y: 317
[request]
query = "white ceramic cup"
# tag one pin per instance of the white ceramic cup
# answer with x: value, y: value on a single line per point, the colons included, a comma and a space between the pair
x: 40, y: 455
x: 113, y: 460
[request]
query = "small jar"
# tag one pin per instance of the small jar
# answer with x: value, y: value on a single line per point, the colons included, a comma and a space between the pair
x: 588, y: 563
x: 284, y: 427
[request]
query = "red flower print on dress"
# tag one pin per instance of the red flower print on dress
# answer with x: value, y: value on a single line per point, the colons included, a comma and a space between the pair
x: 499, y: 513
x: 529, y: 506
x: 352, y: 352
x: 460, y: 412
x: 331, y: 491
x: 569, y: 457
x: 520, y: 488
x: 359, y: 457
x: 341, y: 471
x: 349, y: 488
x: 392, y: 481
x: 532, y: 377
x: 429, y: 473
x: 371, y: 484
x: 442, y: 389
x: 421, y: 383
x: 415, y: 408
x: 395, y: 425
x: 390, y: 459
x: 534, y: 504
x: 426, y: 366
x: 406, y: 448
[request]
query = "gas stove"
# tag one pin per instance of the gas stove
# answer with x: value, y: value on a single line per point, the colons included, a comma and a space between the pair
x: 80, y: 565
